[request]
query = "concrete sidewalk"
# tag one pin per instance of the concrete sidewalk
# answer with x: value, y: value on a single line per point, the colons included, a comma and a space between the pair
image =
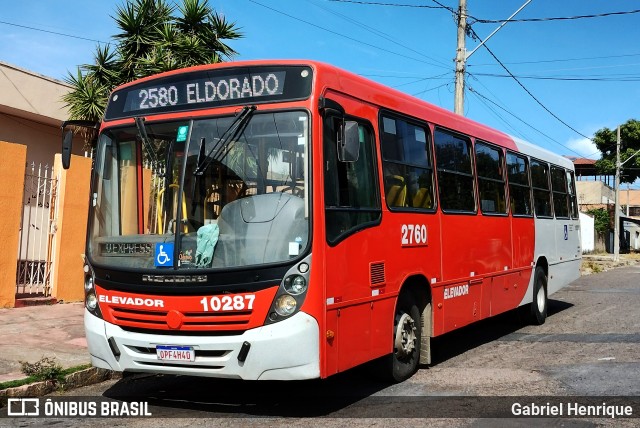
x: 32, y: 332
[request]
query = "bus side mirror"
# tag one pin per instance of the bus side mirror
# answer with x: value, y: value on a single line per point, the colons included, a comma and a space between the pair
x: 349, y: 142
x: 67, y: 143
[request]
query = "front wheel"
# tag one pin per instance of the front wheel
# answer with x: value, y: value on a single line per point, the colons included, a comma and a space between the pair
x: 539, y: 303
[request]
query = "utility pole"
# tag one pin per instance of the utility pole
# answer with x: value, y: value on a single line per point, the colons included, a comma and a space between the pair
x: 461, y: 58
x: 616, y: 215
x: 461, y: 52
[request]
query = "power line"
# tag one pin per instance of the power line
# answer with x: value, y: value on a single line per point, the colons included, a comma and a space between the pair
x: 379, y: 33
x: 495, y: 113
x: 521, y: 120
x: 530, y: 94
x: 487, y: 21
x: 375, y: 3
x: 396, y: 76
x: 345, y: 36
x: 558, y: 60
x: 619, y: 78
x: 52, y: 32
x: 562, y: 18
x: 579, y: 79
x: 431, y: 89
x: 523, y: 135
x: 440, y: 76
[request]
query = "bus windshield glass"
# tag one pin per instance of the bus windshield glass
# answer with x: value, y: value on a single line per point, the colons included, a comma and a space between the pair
x: 208, y: 193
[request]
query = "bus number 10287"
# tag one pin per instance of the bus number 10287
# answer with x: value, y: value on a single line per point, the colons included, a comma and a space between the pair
x: 228, y: 303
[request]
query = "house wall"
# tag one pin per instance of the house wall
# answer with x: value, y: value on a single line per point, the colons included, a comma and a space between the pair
x: 31, y: 112
x: 43, y: 140
x: 71, y: 229
x: 594, y: 193
x: 12, y: 159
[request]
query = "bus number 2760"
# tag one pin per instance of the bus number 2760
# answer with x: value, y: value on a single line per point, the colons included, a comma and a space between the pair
x: 413, y: 235
x: 228, y: 303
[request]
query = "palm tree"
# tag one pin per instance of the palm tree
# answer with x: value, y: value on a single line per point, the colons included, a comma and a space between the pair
x: 154, y: 37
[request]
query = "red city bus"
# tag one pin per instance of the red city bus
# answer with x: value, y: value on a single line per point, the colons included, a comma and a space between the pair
x: 291, y: 220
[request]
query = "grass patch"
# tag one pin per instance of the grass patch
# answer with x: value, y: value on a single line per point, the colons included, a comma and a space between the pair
x: 594, y: 267
x: 37, y: 378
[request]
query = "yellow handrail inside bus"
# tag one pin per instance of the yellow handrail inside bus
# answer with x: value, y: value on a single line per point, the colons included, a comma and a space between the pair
x: 160, y: 203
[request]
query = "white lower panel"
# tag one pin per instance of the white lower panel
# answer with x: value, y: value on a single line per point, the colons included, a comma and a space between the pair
x: 286, y: 350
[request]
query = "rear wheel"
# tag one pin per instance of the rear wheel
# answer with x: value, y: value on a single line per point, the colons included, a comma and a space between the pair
x: 539, y: 303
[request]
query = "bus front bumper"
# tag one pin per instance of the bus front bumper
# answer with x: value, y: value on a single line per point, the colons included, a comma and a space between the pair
x: 287, y: 350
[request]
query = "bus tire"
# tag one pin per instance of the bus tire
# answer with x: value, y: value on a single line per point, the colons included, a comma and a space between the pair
x: 407, y: 330
x: 539, y: 303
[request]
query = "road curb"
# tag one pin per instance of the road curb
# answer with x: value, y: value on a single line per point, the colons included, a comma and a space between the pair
x: 78, y: 379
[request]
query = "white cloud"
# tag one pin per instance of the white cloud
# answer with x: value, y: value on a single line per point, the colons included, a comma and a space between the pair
x: 585, y: 147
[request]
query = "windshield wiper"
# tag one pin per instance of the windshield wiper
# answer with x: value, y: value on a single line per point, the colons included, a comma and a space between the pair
x: 142, y: 132
x: 220, y: 150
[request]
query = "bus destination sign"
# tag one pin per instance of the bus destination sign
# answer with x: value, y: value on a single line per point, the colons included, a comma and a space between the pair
x: 211, y: 88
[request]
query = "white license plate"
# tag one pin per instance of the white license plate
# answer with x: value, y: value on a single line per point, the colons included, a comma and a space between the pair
x: 175, y: 353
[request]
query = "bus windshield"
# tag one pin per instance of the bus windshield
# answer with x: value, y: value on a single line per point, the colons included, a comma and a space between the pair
x: 201, y: 194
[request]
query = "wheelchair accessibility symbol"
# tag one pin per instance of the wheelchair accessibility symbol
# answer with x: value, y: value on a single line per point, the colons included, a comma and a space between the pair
x: 163, y: 255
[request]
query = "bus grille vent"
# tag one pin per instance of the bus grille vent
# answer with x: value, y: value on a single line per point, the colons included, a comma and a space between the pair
x: 377, y: 273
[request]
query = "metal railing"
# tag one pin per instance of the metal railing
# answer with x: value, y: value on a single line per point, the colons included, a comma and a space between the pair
x: 37, y: 231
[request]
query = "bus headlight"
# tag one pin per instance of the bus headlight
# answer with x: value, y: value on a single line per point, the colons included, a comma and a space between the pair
x: 91, y: 301
x: 88, y: 283
x: 291, y: 293
x: 285, y: 305
x: 295, y: 285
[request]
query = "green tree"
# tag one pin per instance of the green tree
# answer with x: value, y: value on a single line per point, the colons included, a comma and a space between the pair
x: 605, y: 140
x: 602, y: 220
x: 154, y: 36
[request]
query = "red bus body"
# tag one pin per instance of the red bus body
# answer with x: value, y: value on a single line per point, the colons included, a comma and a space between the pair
x: 461, y: 267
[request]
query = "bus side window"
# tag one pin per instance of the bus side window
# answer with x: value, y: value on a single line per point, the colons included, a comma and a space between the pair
x: 407, y: 169
x: 352, y: 201
x: 491, y: 184
x: 560, y: 193
x: 541, y: 191
x: 519, y: 186
x: 573, y: 200
x: 455, y: 174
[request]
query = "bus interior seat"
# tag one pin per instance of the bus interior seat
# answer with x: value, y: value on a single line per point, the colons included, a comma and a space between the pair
x: 396, y: 190
x: 422, y: 198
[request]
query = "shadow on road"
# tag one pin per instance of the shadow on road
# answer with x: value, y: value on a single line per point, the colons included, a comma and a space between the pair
x: 467, y: 338
x: 354, y: 392
x: 184, y: 395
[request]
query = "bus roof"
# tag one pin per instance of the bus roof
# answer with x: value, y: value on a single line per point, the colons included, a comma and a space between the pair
x: 331, y: 77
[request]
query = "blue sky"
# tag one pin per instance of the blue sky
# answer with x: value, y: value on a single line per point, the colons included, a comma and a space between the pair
x: 409, y: 48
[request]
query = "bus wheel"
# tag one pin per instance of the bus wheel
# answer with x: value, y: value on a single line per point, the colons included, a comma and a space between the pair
x: 539, y: 303
x: 406, y: 339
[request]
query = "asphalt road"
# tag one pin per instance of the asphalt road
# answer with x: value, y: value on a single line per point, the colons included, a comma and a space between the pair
x: 589, y: 347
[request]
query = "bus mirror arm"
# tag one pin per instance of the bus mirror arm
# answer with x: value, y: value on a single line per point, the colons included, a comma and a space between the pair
x: 348, y: 134
x: 330, y: 107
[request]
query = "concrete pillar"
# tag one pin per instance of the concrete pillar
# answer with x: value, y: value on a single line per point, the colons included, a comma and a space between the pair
x: 13, y: 158
x: 71, y: 228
